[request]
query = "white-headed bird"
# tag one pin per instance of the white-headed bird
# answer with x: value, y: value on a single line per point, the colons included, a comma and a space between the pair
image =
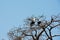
x: 41, y: 24
x: 32, y: 21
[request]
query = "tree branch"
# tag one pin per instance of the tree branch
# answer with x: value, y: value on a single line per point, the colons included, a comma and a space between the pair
x: 40, y: 34
x: 29, y: 35
x: 54, y: 26
x: 55, y: 35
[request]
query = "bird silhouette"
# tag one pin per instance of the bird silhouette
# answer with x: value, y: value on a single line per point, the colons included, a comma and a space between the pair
x: 52, y: 19
x: 32, y: 21
x: 40, y: 24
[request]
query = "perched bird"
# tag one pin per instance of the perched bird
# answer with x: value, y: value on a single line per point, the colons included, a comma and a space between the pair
x: 52, y: 19
x: 38, y: 22
x: 32, y: 21
x: 41, y: 24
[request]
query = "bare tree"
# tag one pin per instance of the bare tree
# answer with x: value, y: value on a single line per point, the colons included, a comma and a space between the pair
x: 36, y: 28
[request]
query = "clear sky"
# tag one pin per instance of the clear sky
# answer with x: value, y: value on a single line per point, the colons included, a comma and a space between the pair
x: 13, y: 12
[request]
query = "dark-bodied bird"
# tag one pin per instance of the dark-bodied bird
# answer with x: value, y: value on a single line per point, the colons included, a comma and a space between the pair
x: 32, y: 21
x: 52, y: 19
x: 38, y: 22
x: 41, y: 24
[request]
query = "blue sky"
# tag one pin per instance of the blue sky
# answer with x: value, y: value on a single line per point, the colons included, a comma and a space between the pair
x: 13, y: 12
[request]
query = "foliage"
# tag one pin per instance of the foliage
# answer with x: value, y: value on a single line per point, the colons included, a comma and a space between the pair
x: 36, y: 28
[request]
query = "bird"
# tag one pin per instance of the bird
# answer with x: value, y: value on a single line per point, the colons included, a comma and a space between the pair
x: 32, y: 21
x: 52, y: 19
x: 41, y: 24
